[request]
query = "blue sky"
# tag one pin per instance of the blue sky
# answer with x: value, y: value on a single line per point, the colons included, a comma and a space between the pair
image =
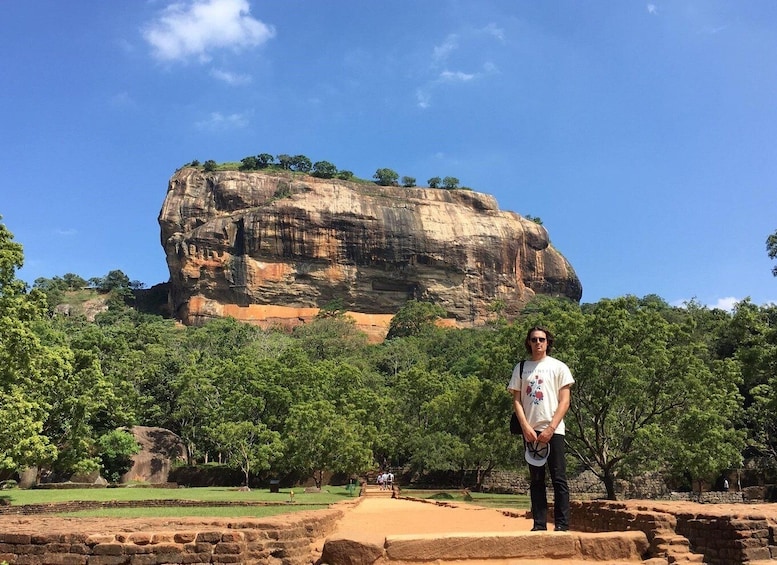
x: 643, y: 134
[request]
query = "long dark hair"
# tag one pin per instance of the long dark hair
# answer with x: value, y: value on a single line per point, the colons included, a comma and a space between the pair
x: 548, y: 335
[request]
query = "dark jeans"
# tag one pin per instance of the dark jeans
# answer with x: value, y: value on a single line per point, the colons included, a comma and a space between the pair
x: 557, y: 466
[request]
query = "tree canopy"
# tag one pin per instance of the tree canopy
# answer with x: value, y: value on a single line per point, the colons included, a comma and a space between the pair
x: 687, y: 390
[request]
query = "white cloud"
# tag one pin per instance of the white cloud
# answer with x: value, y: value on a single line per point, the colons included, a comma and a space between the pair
x: 195, y: 28
x: 441, y: 62
x: 423, y: 98
x: 232, y: 79
x: 455, y: 76
x: 726, y: 303
x: 713, y: 30
x: 497, y: 32
x: 220, y: 122
x: 489, y: 67
x: 424, y: 93
x: 66, y: 232
x: 652, y: 9
x: 441, y: 52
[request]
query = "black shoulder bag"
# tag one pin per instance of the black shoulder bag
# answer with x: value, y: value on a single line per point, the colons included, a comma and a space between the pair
x: 515, y: 426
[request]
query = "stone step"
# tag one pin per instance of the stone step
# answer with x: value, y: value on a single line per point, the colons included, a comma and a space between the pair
x: 375, y: 491
x: 490, y: 548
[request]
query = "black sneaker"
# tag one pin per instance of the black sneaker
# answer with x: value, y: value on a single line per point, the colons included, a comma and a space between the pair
x: 561, y: 528
x: 539, y: 529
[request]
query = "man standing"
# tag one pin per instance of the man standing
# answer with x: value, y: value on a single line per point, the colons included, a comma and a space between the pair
x: 541, y: 396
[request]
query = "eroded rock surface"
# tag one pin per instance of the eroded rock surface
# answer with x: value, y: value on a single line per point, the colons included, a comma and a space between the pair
x: 274, y: 247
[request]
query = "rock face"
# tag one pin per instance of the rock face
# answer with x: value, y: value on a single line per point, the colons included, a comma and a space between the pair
x: 160, y: 448
x: 274, y: 247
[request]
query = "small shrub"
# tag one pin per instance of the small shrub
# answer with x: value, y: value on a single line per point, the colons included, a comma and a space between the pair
x: 283, y: 191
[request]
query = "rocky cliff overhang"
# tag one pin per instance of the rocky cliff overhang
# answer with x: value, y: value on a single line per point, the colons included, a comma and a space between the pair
x: 274, y: 247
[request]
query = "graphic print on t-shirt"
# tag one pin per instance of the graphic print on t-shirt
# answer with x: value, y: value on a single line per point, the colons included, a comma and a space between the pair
x: 534, y: 390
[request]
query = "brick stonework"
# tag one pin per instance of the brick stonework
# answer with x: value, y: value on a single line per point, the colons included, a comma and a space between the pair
x: 721, y: 535
x: 281, y: 540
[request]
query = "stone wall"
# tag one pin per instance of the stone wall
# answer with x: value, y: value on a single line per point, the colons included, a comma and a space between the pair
x: 722, y: 535
x: 584, y: 486
x: 282, y: 540
x: 710, y: 497
x: 650, y: 486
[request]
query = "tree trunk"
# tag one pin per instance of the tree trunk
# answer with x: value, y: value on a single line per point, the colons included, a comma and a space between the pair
x: 609, y: 485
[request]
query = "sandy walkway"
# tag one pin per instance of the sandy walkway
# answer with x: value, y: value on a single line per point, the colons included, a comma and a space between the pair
x: 374, y: 518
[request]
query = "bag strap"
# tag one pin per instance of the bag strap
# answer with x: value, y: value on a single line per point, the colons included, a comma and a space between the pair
x: 520, y: 372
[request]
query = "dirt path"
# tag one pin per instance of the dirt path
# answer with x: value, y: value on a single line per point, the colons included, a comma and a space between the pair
x: 374, y: 518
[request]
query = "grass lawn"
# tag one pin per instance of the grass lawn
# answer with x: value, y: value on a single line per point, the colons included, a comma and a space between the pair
x: 511, y: 501
x: 280, y: 501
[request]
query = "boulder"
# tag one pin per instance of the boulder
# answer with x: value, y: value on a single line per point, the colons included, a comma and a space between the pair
x: 159, y: 448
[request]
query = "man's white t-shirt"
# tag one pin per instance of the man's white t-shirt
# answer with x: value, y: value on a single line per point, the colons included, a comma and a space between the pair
x: 539, y: 390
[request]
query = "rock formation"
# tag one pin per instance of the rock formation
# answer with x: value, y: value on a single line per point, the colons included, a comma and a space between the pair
x: 159, y: 450
x: 272, y: 247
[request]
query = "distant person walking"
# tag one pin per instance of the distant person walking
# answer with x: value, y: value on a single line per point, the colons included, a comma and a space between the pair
x: 541, y: 397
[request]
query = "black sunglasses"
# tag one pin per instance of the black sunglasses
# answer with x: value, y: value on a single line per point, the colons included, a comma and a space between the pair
x: 537, y: 340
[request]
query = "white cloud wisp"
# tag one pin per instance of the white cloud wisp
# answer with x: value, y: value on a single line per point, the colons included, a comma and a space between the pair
x: 196, y: 28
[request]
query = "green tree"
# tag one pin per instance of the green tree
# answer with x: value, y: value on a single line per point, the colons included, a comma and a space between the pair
x: 535, y: 219
x: 264, y: 160
x: 324, y: 170
x: 435, y: 451
x: 397, y: 355
x: 750, y: 339
x: 636, y: 375
x: 482, y: 443
x: 771, y: 249
x: 331, y: 337
x: 249, y: 446
x: 83, y: 404
x: 450, y: 183
x: 413, y: 318
x: 198, y: 402
x: 434, y: 182
x: 73, y: 281
x: 408, y: 182
x: 210, y: 165
x: 54, y: 290
x: 703, y: 441
x: 345, y: 175
x: 301, y: 163
x: 22, y: 443
x: 763, y: 423
x: 116, y: 449
x: 285, y: 161
x: 23, y: 365
x: 114, y: 280
x: 249, y: 163
x: 320, y: 438
x: 386, y: 177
